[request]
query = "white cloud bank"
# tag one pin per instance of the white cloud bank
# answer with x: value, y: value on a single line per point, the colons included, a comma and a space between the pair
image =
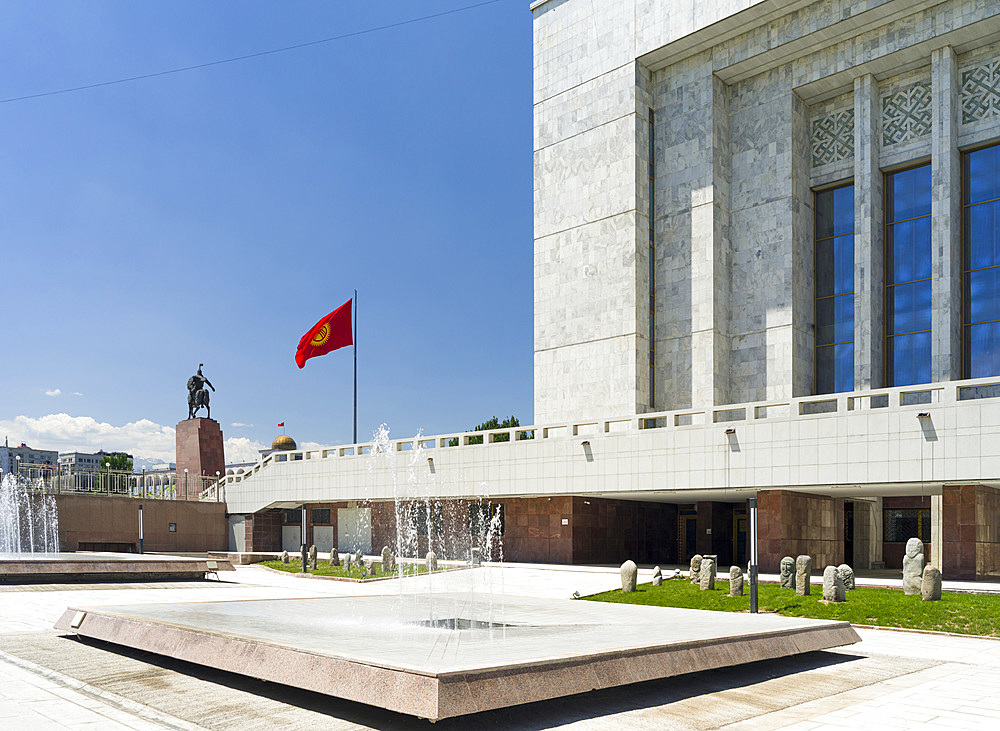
x: 143, y: 439
x: 242, y: 449
x: 54, y: 392
x: 67, y: 433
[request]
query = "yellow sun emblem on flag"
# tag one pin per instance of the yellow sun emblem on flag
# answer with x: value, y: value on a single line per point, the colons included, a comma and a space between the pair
x: 322, y: 335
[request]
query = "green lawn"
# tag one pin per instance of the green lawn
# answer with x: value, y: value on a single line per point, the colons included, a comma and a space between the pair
x: 294, y: 566
x: 973, y: 614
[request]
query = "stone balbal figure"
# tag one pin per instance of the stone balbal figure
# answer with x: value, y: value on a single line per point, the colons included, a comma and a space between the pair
x: 787, y: 570
x: 913, y: 566
x: 629, y: 573
x: 694, y: 572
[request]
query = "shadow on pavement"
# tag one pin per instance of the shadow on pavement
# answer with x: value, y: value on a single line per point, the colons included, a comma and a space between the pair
x: 696, y: 700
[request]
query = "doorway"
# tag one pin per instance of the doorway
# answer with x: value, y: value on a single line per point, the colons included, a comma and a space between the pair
x: 354, y: 530
x: 323, y: 538
x: 291, y: 538
x: 690, y: 537
x: 740, y: 539
x: 237, y: 533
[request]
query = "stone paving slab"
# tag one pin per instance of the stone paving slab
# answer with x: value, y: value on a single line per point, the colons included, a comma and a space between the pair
x: 954, y: 675
x: 524, y: 650
x: 219, y: 700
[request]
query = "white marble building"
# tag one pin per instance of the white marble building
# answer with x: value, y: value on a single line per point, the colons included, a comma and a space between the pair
x: 767, y: 261
x: 743, y: 110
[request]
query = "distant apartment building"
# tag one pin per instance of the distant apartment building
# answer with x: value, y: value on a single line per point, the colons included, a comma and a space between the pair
x: 25, y: 456
x: 84, y: 462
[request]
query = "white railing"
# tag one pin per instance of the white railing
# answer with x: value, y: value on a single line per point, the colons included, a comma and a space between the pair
x: 155, y: 485
x: 914, y: 398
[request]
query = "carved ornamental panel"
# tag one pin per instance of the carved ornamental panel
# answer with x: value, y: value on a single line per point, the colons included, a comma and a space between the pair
x: 981, y: 91
x: 833, y: 137
x: 906, y: 115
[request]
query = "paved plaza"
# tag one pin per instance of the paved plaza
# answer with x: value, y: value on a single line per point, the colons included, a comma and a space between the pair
x: 890, y: 680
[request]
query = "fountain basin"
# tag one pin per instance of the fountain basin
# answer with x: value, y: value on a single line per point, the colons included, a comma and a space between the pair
x: 23, y: 568
x: 438, y: 656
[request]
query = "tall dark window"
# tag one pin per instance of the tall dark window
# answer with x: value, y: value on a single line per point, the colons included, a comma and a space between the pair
x: 908, y: 276
x: 901, y: 524
x: 422, y: 520
x: 835, y: 290
x: 484, y: 517
x: 981, y: 264
x: 320, y: 515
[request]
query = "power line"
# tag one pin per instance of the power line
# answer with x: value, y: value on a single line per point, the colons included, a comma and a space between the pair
x: 234, y: 59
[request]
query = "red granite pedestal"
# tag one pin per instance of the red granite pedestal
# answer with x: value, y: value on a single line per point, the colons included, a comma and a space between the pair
x: 200, y: 451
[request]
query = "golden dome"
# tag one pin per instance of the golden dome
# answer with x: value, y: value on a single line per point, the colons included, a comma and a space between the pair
x: 283, y: 442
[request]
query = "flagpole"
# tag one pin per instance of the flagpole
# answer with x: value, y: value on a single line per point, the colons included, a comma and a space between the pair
x: 355, y: 339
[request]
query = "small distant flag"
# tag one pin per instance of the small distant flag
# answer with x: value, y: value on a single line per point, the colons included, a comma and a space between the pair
x: 281, y: 424
x: 331, y: 333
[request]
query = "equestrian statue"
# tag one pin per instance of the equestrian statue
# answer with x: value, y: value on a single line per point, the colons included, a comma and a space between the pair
x: 198, y: 394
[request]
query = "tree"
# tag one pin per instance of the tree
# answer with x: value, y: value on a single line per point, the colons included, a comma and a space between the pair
x: 494, y: 423
x: 118, y: 461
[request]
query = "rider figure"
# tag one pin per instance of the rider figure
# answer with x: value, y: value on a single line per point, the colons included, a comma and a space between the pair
x: 197, y: 395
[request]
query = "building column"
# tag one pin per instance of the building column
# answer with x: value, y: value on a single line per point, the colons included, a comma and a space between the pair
x: 875, y: 526
x: 946, y: 218
x: 868, y: 238
x: 802, y: 348
x: 710, y: 266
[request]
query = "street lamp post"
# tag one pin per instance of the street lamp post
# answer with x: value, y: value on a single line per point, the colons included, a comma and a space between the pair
x: 304, y: 549
x: 185, y: 483
x: 753, y: 555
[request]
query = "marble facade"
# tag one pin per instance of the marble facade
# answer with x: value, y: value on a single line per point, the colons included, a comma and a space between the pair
x: 755, y: 106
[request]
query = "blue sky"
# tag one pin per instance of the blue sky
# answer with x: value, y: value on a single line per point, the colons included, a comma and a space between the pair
x: 214, y: 215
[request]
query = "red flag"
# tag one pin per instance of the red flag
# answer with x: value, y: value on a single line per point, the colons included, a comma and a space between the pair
x: 281, y: 424
x: 332, y: 332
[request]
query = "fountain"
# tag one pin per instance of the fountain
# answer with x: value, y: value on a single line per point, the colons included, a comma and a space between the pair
x: 29, y: 546
x: 28, y: 518
x: 436, y: 648
x: 457, y: 528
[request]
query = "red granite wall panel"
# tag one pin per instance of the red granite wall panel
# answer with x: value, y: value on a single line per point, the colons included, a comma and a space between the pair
x: 798, y: 523
x: 970, y: 517
x: 613, y: 531
x: 987, y: 532
x: 264, y: 532
x: 97, y: 520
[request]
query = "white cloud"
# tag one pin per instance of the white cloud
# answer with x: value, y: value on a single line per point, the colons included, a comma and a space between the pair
x: 65, y: 433
x: 53, y: 392
x: 240, y: 423
x: 242, y: 449
x: 77, y: 393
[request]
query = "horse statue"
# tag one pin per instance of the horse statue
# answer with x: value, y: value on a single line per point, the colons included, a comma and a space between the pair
x: 198, y: 394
